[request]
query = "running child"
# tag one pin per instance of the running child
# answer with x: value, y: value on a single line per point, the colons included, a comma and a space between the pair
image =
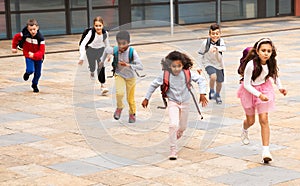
x: 125, y: 63
x: 176, y: 63
x: 256, y: 91
x: 211, y: 51
x: 33, y: 44
x: 92, y: 47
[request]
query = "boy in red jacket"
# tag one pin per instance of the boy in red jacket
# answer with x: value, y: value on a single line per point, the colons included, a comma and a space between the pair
x: 33, y: 44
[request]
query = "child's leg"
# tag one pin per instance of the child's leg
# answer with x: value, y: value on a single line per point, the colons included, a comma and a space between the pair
x: 130, y: 90
x: 91, y: 55
x: 211, y: 71
x: 29, y: 66
x: 120, y: 86
x: 265, y: 128
x: 174, y: 114
x: 101, y: 76
x: 37, y: 71
x: 183, y: 119
x: 220, y: 80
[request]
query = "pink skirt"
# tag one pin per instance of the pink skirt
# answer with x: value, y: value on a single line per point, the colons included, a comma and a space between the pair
x: 251, y: 103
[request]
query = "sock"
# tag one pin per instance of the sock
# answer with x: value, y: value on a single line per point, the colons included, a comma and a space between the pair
x: 211, y: 91
x: 244, y: 130
x: 266, y: 148
x: 217, y: 94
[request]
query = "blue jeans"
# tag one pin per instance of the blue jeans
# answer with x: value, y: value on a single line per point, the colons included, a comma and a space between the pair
x: 33, y: 66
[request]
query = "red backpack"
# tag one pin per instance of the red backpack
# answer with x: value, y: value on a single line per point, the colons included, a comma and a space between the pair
x: 166, y: 85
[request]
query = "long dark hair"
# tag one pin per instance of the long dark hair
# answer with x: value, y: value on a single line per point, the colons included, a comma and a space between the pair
x: 271, y: 62
x: 176, y: 55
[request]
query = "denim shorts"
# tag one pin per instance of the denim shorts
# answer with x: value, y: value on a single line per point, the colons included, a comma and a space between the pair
x: 220, y: 73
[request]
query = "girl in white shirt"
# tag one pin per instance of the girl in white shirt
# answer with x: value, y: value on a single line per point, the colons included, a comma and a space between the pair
x: 92, y: 47
x: 256, y: 91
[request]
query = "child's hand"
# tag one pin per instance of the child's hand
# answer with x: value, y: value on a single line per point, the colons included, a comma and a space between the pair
x: 109, y: 58
x: 122, y: 63
x: 263, y: 97
x: 145, y: 103
x: 14, y: 50
x: 199, y: 71
x: 30, y: 54
x: 283, y: 91
x: 213, y: 49
x: 203, y: 100
x: 80, y: 62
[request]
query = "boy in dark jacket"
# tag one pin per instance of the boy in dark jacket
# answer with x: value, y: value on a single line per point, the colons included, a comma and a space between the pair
x: 33, y: 44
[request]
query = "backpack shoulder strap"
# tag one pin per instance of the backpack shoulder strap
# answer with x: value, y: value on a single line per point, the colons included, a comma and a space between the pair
x: 116, y: 56
x: 207, y: 46
x: 92, y: 36
x: 166, y: 84
x: 104, y: 33
x: 131, y: 55
x: 187, y: 74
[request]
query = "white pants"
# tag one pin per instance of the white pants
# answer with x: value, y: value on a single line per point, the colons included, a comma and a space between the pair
x: 178, y: 118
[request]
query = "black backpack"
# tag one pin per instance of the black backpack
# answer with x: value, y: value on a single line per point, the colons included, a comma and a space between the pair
x: 207, y: 46
x: 86, y: 31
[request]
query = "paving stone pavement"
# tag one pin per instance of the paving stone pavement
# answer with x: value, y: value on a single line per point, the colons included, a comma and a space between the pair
x: 65, y: 135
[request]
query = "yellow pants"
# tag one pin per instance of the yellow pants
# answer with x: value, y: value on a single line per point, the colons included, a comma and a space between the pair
x: 121, y: 83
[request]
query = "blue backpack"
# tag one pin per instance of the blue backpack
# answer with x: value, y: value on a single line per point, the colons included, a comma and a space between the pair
x: 116, y: 58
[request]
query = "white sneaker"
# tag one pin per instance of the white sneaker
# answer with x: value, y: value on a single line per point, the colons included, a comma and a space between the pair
x: 173, y: 154
x: 92, y: 76
x: 266, y: 157
x: 104, y: 91
x: 245, y: 137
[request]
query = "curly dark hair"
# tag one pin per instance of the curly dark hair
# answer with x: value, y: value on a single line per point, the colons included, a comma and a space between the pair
x: 176, y: 55
x: 252, y: 55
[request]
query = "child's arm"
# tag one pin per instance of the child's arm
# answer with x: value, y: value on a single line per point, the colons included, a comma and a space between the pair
x: 17, y: 37
x: 137, y: 62
x: 153, y: 86
x: 200, y: 80
x: 222, y: 47
x: 82, y: 50
x: 106, y: 41
x: 279, y: 86
x: 202, y: 48
x: 40, y: 53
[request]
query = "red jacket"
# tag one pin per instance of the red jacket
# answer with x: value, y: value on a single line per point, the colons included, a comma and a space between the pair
x: 34, y: 44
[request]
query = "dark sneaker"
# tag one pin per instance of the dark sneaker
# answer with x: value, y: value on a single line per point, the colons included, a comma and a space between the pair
x: 35, y: 88
x: 117, y: 114
x: 26, y: 76
x: 218, y: 100
x: 266, y: 157
x: 211, y: 95
x: 131, y: 118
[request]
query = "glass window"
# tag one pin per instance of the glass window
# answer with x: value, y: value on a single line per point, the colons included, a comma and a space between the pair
x: 197, y: 12
x: 155, y: 12
x: 50, y: 23
x: 78, y: 21
x: 78, y: 3
x: 271, y: 8
x: 16, y: 5
x: 148, y: 1
x: 105, y: 2
x: 239, y: 9
x: 285, y: 7
x: 2, y: 5
x: 2, y: 27
x: 109, y: 15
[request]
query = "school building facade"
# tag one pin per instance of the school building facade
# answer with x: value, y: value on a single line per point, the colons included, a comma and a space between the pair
x: 58, y: 17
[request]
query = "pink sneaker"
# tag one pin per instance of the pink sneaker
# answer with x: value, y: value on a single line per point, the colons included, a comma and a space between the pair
x: 117, y: 113
x: 173, y: 154
x: 131, y: 118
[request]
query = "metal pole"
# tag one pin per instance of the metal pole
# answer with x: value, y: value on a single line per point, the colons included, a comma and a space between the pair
x: 218, y: 11
x: 89, y: 13
x: 171, y: 17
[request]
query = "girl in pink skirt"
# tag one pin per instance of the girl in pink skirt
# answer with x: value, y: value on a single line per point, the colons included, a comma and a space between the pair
x: 256, y: 91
